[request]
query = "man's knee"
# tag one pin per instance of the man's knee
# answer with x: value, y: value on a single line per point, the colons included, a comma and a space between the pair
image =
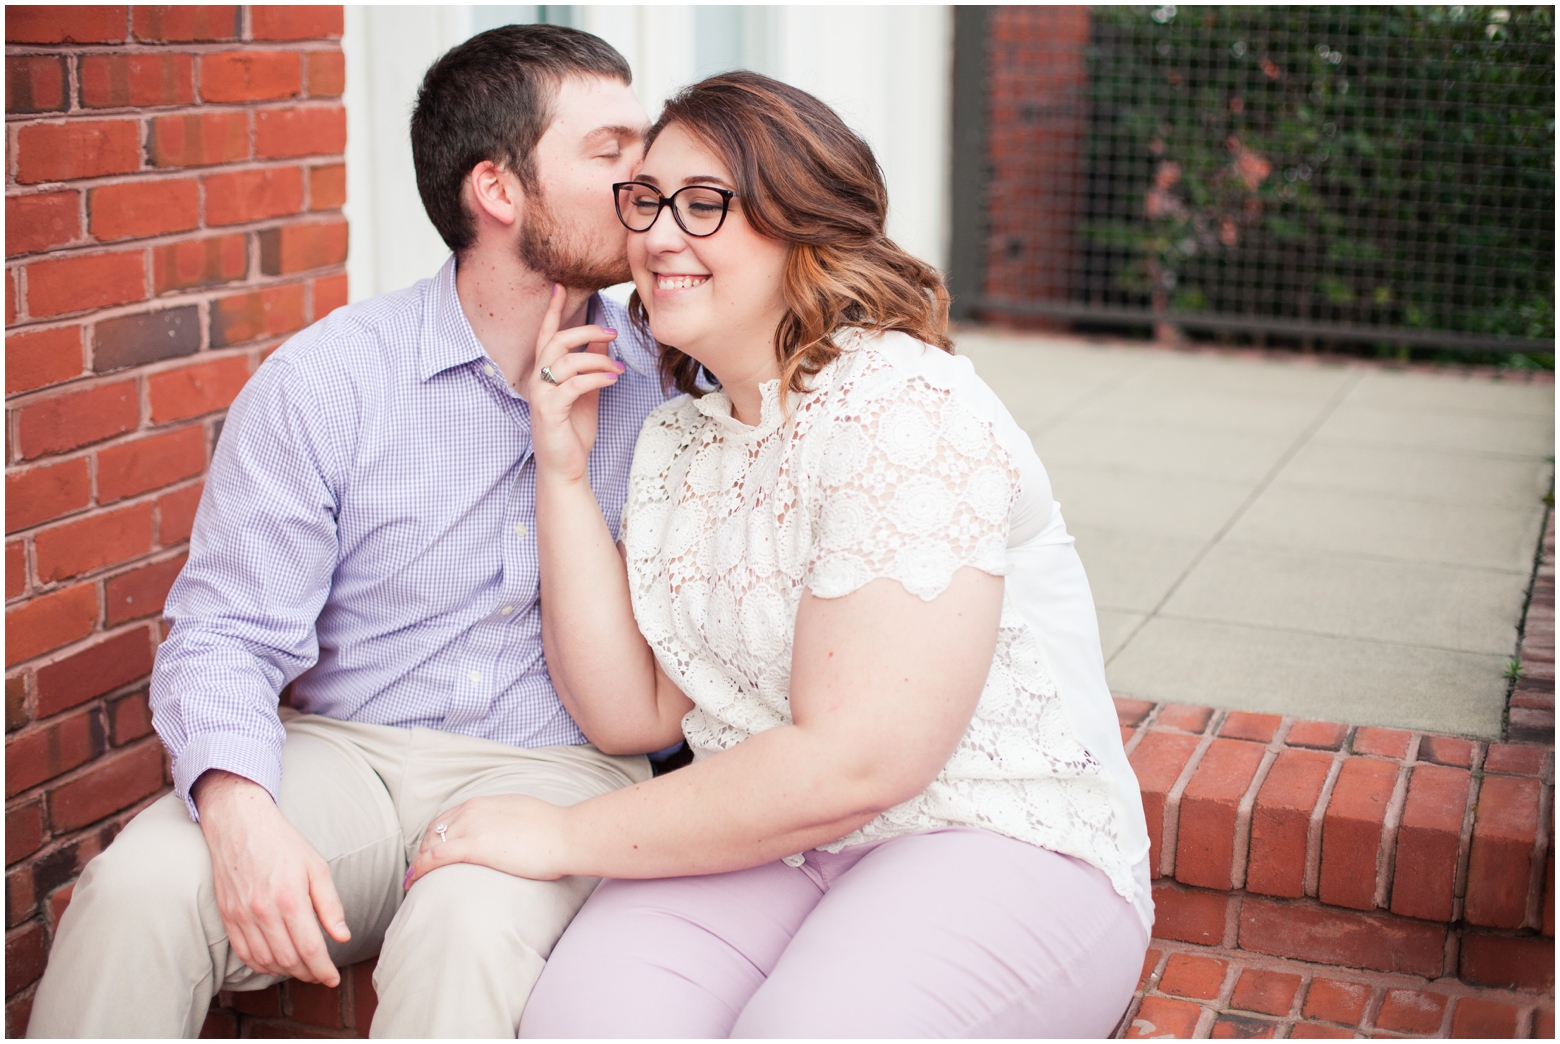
x: 157, y: 864
x: 467, y: 909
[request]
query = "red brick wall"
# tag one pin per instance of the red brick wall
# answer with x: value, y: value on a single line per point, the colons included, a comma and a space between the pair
x: 174, y: 179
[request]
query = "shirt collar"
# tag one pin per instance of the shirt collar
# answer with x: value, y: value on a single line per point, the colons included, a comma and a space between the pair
x: 447, y: 338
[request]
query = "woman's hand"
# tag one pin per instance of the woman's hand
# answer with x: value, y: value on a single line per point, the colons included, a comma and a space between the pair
x: 563, y: 414
x: 519, y: 835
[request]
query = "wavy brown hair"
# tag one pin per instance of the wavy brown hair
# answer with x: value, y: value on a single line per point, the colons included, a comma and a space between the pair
x: 805, y: 178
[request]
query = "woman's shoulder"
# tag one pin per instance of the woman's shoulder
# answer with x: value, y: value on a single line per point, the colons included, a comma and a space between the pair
x: 665, y: 429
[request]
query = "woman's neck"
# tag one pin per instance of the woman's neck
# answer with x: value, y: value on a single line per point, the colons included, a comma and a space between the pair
x: 742, y: 363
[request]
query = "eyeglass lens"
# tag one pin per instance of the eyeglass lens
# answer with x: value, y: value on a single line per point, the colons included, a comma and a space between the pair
x: 698, y: 209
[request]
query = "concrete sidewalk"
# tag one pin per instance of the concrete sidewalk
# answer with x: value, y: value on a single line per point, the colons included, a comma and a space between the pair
x: 1338, y: 541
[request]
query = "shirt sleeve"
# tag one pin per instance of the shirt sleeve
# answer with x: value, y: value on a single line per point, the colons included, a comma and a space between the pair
x: 913, y: 486
x: 242, y: 611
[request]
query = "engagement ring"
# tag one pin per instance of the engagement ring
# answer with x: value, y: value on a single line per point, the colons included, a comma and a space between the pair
x: 547, y: 375
x: 440, y: 829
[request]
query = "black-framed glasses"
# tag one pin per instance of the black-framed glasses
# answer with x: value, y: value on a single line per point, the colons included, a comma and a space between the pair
x: 699, y: 210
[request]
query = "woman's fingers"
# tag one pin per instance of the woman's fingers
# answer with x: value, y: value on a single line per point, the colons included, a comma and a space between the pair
x: 576, y: 363
x: 551, y: 318
x: 567, y: 342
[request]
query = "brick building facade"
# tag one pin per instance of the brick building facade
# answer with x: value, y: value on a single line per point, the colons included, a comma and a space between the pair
x: 174, y: 183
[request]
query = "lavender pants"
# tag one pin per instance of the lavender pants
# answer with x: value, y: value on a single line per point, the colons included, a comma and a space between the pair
x: 950, y: 933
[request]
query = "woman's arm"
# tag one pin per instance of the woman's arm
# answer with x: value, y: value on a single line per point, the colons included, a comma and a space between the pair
x: 600, y: 664
x: 883, y: 686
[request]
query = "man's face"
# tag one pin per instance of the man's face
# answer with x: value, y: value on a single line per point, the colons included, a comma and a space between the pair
x: 570, y: 231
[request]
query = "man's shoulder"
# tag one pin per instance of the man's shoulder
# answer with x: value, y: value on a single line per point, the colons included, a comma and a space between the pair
x: 373, y: 331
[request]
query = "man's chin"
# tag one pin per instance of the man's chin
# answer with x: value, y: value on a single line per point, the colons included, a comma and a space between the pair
x: 590, y: 276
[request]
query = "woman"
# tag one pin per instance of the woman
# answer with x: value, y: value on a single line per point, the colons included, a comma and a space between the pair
x: 844, y: 580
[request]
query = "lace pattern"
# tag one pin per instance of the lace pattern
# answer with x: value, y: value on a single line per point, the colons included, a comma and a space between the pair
x: 875, y: 473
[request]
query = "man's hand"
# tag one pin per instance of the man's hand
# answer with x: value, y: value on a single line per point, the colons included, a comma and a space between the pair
x: 270, y: 882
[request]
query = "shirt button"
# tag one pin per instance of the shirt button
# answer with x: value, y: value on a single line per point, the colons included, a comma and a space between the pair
x: 488, y: 370
x: 506, y: 610
x: 476, y: 677
x: 520, y: 530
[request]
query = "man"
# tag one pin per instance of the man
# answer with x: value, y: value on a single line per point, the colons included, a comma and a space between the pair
x: 365, y: 535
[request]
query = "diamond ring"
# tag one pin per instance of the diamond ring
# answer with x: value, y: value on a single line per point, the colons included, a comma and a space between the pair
x: 548, y: 376
x: 440, y: 829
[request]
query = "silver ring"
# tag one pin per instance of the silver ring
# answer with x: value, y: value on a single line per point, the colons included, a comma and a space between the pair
x: 547, y: 375
x: 440, y: 829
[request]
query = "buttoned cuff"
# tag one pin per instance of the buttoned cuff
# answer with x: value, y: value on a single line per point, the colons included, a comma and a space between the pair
x: 230, y: 752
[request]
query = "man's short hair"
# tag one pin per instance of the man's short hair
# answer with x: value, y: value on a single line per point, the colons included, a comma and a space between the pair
x: 491, y: 98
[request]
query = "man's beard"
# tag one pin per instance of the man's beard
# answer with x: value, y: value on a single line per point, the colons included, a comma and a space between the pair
x: 546, y: 248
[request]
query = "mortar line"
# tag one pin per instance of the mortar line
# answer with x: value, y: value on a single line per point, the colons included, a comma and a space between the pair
x: 1267, y: 480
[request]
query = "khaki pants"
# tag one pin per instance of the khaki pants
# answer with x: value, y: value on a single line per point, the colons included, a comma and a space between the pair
x: 142, y: 950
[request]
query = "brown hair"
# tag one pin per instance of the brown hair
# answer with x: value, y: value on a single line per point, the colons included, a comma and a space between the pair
x: 805, y: 178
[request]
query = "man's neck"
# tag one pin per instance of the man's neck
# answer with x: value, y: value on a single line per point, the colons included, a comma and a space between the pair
x: 504, y: 302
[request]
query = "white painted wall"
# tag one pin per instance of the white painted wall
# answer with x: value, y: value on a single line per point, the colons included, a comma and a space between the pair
x: 886, y: 69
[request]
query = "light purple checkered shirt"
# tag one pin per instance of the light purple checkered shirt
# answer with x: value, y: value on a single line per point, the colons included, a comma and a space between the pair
x: 367, y: 532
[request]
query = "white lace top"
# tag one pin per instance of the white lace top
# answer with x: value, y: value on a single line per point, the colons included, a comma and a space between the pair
x: 899, y: 462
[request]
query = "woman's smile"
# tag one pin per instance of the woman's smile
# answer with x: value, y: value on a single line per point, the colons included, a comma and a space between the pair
x: 670, y: 284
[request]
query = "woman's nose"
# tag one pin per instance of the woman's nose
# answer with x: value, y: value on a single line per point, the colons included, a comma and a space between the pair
x: 664, y: 236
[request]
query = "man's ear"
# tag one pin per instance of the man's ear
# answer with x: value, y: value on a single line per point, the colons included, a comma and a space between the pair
x: 495, y: 194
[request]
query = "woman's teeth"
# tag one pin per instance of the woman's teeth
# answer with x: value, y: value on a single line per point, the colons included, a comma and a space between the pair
x: 679, y: 282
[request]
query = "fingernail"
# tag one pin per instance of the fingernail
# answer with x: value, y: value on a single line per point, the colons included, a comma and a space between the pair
x: 609, y: 330
x: 407, y: 879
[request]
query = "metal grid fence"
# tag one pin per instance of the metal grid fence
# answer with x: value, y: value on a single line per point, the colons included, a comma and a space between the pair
x: 1368, y: 175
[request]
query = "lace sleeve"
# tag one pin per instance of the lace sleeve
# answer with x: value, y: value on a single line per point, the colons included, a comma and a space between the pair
x: 913, y: 485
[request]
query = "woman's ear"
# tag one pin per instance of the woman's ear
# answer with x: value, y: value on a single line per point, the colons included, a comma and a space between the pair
x: 495, y: 194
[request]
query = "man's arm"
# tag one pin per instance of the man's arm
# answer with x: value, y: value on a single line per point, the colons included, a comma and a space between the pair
x: 243, y: 612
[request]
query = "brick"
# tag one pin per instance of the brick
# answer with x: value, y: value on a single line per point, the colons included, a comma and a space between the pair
x: 1446, y: 750
x: 65, y: 23
x: 151, y: 462
x: 135, y: 209
x: 1242, y: 1027
x: 1190, y: 915
x: 1385, y: 743
x: 1247, y: 726
x: 186, y: 24
x: 1500, y: 861
x: 266, y: 1003
x: 35, y: 83
x: 262, y: 313
x: 248, y: 76
x: 1162, y: 1017
x: 38, y: 494
x: 21, y: 896
x: 38, y: 359
x: 134, y: 340
x: 1281, y: 823
x: 1507, y: 962
x: 197, y: 389
x: 81, y: 283
x: 1485, y: 1017
x: 1353, y: 939
x: 1205, y: 837
x: 15, y: 580
x: 10, y: 295
x: 296, y: 22
x: 1129, y: 713
x: 326, y: 72
x: 253, y: 195
x: 1269, y: 992
x: 315, y: 1005
x: 219, y: 1024
x: 76, y: 149
x: 40, y: 221
x: 330, y: 293
x: 1322, y: 735
x: 364, y: 997
x: 57, y: 904
x: 140, y: 80
x: 25, y: 952
x: 98, y: 540
x: 328, y: 191
x: 1427, y: 842
x: 116, y: 782
x: 313, y: 130
x: 114, y: 662
x: 1352, y: 832
x: 1412, y: 1011
x: 1150, y: 962
x: 1314, y: 1031
x: 23, y: 831
x: 49, y: 621
x: 15, y: 702
x: 298, y: 248
x: 1516, y: 759
x: 176, y: 514
x: 198, y: 139
x: 1187, y: 975
x: 73, y: 419
x: 1543, y: 1024
x: 18, y: 1010
x: 1158, y: 761
x: 200, y: 262
x: 1336, y: 1000
x: 1547, y: 911
x: 1183, y: 716
x: 129, y: 718
x: 50, y: 750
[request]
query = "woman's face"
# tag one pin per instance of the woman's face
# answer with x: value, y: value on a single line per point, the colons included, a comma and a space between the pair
x: 716, y: 297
